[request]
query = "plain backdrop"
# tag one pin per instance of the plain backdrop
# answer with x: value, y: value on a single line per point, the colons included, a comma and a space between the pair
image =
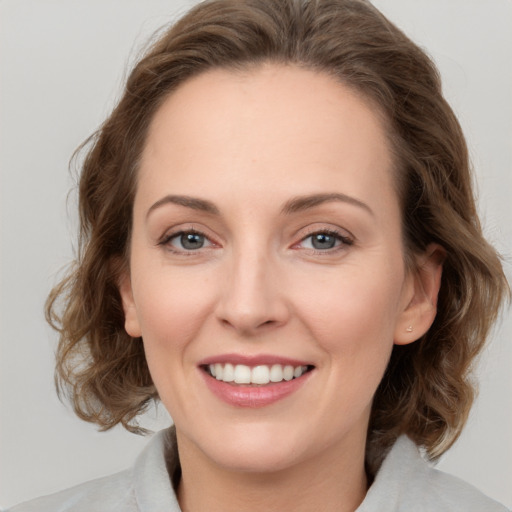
x: 62, y: 66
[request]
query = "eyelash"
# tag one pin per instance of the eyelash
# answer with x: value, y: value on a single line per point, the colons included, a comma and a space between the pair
x: 166, y: 241
x: 343, y: 238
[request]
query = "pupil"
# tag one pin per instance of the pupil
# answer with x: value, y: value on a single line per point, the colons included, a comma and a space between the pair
x: 192, y: 241
x: 323, y: 241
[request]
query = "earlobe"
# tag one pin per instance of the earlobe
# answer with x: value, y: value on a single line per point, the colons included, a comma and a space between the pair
x: 423, y: 289
x: 131, y: 319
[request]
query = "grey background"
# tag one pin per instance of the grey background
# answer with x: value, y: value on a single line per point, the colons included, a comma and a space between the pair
x: 62, y: 63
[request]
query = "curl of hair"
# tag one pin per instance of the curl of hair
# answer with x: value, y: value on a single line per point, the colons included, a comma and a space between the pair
x: 426, y: 391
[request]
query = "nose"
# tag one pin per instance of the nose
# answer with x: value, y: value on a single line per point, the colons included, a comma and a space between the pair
x: 253, y: 298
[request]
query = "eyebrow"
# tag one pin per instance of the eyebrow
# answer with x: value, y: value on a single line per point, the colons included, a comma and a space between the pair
x: 189, y: 202
x: 294, y: 205
x: 301, y: 203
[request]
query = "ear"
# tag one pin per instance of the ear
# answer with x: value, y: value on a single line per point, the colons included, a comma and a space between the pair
x: 131, y: 318
x: 421, y: 292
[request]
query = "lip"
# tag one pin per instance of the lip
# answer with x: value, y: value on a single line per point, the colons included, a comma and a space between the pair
x: 250, y: 396
x: 253, y: 360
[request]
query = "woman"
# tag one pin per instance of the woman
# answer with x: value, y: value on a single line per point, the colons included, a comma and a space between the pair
x: 279, y: 241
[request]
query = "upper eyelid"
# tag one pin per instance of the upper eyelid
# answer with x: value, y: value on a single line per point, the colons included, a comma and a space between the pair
x: 345, y: 240
x: 180, y: 228
x: 175, y: 234
x: 328, y: 232
x: 319, y: 228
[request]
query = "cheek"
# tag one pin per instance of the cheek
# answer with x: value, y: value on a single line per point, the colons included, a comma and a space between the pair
x: 352, y: 316
x: 171, y: 310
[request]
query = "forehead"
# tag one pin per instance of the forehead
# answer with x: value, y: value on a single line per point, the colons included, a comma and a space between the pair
x: 268, y: 122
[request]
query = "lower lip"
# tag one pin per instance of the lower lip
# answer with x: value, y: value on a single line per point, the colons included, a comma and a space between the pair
x: 253, y: 396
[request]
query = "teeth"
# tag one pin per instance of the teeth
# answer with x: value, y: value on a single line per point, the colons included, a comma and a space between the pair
x: 229, y: 374
x: 242, y: 374
x: 262, y: 374
x: 276, y: 373
x: 288, y: 372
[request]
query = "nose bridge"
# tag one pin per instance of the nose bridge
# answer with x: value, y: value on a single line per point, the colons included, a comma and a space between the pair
x: 251, y: 297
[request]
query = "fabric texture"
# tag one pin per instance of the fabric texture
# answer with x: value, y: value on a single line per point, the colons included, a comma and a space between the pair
x: 404, y: 483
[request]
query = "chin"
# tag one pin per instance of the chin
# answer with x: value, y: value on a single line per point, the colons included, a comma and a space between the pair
x: 255, y: 458
x: 251, y: 448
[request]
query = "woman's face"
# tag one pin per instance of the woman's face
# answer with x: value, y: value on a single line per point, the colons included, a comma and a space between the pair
x: 267, y: 245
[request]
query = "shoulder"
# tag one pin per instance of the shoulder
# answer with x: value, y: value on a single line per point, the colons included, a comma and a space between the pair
x: 407, y: 482
x: 443, y: 491
x: 146, y: 487
x: 109, y: 494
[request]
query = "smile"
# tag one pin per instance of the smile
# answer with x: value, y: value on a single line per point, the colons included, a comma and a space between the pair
x: 259, y: 375
x: 254, y: 382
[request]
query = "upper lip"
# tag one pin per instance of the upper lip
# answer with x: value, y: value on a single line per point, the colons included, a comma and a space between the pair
x: 253, y: 360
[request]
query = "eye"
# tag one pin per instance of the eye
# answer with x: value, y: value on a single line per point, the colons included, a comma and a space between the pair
x: 325, y: 240
x: 186, y: 241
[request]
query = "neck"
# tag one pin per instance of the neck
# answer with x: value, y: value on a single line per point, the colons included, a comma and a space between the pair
x: 331, y: 481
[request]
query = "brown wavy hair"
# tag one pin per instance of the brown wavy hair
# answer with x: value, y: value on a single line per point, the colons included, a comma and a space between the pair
x: 426, y: 391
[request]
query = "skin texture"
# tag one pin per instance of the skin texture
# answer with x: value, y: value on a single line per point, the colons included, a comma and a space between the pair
x: 250, y: 143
